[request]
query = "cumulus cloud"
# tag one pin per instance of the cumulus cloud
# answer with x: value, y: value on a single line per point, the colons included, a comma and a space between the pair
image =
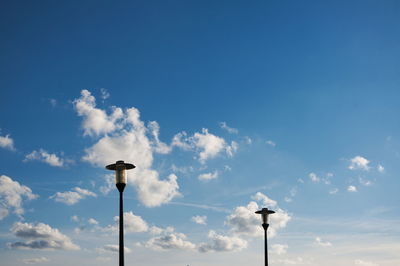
x: 35, y: 260
x: 199, y: 219
x: 169, y: 239
x: 43, y: 156
x: 7, y: 143
x: 208, y: 176
x: 352, y: 189
x: 279, y: 249
x: 93, y: 221
x: 244, y: 221
x: 230, y: 130
x: 73, y: 197
x: 40, y: 236
x: 321, y: 243
x: 132, y: 224
x: 359, y: 163
x: 95, y: 120
x: 365, y: 263
x: 221, y: 243
x: 122, y: 135
x: 207, y: 145
x: 11, y: 196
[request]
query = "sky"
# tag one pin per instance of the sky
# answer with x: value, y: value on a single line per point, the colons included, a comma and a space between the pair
x: 225, y: 107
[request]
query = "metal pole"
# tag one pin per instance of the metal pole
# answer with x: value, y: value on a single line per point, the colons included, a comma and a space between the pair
x: 265, y: 226
x: 121, y: 187
x: 121, y: 230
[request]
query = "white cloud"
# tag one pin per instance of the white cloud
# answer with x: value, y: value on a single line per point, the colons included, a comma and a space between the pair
x: 72, y: 197
x: 270, y: 143
x: 244, y: 220
x: 209, y: 144
x: 321, y: 243
x: 40, y: 236
x: 267, y: 202
x: 7, y: 143
x: 333, y: 191
x: 113, y: 248
x: 11, y: 196
x: 109, y: 184
x: 352, y: 189
x: 169, y: 240
x: 132, y: 223
x: 279, y: 249
x: 35, y: 260
x: 381, y: 169
x: 124, y: 136
x: 359, y: 163
x: 199, y: 219
x: 313, y: 177
x: 232, y: 149
x: 43, y: 156
x: 364, y: 263
x: 221, y: 243
x: 96, y: 121
x: 159, y: 146
x: 206, y: 144
x: 93, y: 221
x: 208, y: 176
x: 230, y: 130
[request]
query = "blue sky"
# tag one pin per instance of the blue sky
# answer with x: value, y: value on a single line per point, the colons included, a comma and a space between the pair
x: 225, y: 107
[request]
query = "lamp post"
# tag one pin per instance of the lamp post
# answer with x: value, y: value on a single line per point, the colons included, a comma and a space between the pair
x: 265, y: 215
x: 120, y: 168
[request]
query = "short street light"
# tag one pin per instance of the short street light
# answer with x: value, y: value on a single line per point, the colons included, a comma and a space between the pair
x: 265, y: 219
x: 120, y: 168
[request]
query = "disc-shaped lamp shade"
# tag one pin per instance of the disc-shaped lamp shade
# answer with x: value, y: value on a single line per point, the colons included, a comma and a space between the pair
x: 265, y: 215
x: 120, y: 168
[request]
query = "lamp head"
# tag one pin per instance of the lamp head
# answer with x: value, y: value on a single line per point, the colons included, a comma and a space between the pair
x: 120, y: 168
x: 265, y: 215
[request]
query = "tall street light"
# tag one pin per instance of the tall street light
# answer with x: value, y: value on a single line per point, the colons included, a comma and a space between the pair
x: 265, y: 219
x: 120, y: 168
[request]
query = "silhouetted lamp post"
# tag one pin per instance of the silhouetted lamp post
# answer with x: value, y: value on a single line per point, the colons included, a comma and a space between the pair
x: 120, y: 168
x: 265, y: 224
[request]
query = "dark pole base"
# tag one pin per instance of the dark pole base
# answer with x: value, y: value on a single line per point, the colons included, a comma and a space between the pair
x: 121, y: 188
x: 265, y: 226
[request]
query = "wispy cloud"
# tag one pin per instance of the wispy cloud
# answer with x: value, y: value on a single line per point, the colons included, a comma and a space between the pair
x: 231, y: 130
x: 43, y: 156
x: 73, y: 197
x: 7, y: 143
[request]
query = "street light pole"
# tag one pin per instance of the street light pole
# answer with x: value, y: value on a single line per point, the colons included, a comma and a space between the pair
x: 120, y: 168
x: 265, y: 215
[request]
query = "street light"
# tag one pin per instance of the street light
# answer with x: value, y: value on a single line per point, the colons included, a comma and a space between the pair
x: 265, y: 219
x: 120, y: 168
